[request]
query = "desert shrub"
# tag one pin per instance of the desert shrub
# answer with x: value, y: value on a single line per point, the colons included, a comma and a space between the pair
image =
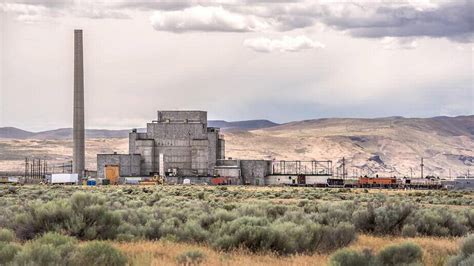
x: 250, y: 232
x: 189, y: 258
x: 193, y: 232
x: 41, y: 218
x: 347, y: 257
x: 402, y: 254
x: 467, y: 247
x: 49, y: 249
x: 388, y: 218
x: 98, y: 253
x: 97, y: 222
x: 470, y: 218
x: 7, y: 252
x: 283, y: 237
x: 409, y: 230
x: 466, y: 254
x: 439, y: 222
x: 6, y: 235
x: 364, y: 220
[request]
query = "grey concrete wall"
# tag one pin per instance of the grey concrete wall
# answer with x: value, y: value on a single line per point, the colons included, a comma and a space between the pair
x: 200, y: 157
x: 254, y: 171
x: 221, y: 149
x: 235, y: 163
x: 129, y: 164
x: 228, y: 172
x: 184, y: 140
x: 464, y: 183
x: 179, y: 116
x: 146, y: 149
x: 212, y: 136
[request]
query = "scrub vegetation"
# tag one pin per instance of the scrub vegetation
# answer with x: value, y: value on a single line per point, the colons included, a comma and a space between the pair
x: 81, y: 224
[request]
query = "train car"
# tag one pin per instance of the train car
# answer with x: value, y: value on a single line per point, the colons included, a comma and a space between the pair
x: 221, y: 181
x: 316, y: 181
x: 422, y: 183
x: 291, y: 180
x: 335, y: 182
x: 297, y: 180
x: 351, y: 182
x: 377, y: 182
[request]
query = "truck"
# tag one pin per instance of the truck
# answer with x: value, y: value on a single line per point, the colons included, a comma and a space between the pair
x: 63, y: 178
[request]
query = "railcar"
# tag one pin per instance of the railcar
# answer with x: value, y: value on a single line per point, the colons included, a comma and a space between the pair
x: 379, y: 182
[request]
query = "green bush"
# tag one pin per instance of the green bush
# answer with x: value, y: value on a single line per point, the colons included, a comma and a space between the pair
x: 466, y: 254
x: 467, y: 247
x: 6, y: 235
x: 409, y: 230
x: 347, y: 257
x: 98, y: 253
x: 49, y: 249
x: 192, y: 257
x: 403, y: 254
x: 7, y: 252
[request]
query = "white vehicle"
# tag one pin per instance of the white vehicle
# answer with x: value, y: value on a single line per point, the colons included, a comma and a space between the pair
x: 133, y: 180
x: 64, y: 179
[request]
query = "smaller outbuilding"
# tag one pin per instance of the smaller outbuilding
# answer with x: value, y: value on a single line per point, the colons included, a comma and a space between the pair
x: 459, y: 183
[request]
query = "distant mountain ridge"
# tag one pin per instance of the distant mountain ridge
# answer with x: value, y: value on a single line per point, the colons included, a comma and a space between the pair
x: 387, y: 146
x: 66, y: 133
x: 241, y: 125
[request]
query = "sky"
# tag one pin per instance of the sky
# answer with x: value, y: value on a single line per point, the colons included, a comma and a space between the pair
x: 282, y: 60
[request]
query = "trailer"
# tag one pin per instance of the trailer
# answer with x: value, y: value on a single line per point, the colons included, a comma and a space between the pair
x: 9, y: 180
x: 71, y: 179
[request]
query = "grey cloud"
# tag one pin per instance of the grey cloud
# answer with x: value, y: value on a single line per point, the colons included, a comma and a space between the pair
x: 453, y: 20
x: 447, y: 19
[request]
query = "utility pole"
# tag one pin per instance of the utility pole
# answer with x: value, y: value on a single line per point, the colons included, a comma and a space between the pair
x: 422, y: 165
x: 343, y: 168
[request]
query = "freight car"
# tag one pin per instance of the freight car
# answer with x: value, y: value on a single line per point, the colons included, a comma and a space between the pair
x: 378, y: 182
x: 298, y: 180
x: 421, y: 183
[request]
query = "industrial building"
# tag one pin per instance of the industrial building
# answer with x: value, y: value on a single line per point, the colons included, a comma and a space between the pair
x: 179, y: 145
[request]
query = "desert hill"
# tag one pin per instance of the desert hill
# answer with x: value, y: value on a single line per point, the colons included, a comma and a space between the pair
x: 387, y: 146
x: 391, y: 146
x: 66, y: 133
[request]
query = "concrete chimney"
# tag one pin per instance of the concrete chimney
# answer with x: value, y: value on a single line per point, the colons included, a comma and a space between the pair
x: 78, y: 127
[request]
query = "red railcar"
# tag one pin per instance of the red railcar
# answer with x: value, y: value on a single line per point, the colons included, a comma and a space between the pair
x: 384, y: 182
x: 221, y: 181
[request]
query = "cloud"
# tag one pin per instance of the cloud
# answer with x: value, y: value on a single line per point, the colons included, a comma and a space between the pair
x: 392, y: 43
x: 452, y: 20
x: 285, y: 44
x: 42, y: 10
x: 361, y: 19
x: 201, y: 18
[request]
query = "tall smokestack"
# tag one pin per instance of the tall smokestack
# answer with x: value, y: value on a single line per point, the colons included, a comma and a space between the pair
x: 78, y: 128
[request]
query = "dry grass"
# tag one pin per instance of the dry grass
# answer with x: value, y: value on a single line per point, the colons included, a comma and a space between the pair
x: 436, y: 251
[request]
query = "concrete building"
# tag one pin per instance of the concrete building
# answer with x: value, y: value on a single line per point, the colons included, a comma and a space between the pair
x: 177, y: 143
x: 179, y: 146
x: 460, y: 183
